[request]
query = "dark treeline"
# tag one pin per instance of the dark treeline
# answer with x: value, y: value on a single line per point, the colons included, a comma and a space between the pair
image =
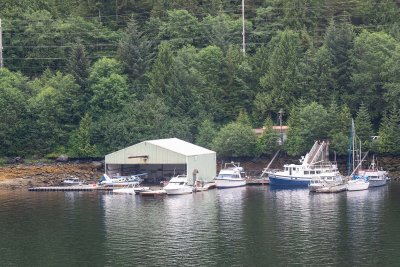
x: 90, y: 77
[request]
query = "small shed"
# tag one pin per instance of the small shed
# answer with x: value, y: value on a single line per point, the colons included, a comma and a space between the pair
x: 163, y: 158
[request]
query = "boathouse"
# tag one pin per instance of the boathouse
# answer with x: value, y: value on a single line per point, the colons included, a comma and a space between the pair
x: 163, y: 158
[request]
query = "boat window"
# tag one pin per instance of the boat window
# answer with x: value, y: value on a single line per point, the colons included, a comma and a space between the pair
x: 181, y: 183
x: 312, y: 172
x: 318, y: 172
x: 306, y: 172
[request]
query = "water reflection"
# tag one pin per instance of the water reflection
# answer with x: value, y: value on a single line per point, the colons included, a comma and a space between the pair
x: 248, y: 226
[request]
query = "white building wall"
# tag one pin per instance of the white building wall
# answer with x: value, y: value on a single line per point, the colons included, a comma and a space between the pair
x: 206, y: 165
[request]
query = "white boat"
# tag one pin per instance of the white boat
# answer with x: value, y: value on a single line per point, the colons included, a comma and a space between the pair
x: 314, y: 165
x: 357, y: 184
x: 121, y: 180
x: 131, y: 189
x: 332, y: 188
x: 73, y: 181
x: 327, y: 183
x: 178, y: 185
x: 232, y: 175
x: 375, y: 176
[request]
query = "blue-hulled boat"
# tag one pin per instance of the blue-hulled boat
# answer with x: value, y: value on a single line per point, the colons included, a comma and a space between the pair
x: 314, y: 164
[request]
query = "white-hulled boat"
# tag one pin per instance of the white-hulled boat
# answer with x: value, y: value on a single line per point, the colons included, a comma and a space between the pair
x: 232, y: 175
x: 328, y: 183
x: 131, y: 189
x: 314, y: 165
x: 73, y: 181
x: 375, y: 177
x: 360, y: 183
x: 122, y: 180
x: 356, y: 182
x: 178, y: 185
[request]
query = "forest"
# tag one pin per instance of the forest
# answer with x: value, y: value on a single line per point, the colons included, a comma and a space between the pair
x: 85, y: 78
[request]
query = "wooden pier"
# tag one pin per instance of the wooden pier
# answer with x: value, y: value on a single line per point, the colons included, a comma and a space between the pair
x: 71, y: 188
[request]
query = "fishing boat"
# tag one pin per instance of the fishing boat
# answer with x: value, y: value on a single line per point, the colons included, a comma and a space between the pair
x: 375, y: 176
x: 121, y: 180
x: 314, y: 165
x: 178, y: 185
x: 232, y: 175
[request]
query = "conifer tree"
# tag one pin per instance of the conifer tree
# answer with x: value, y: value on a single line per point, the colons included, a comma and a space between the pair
x: 363, y: 126
x: 389, y: 133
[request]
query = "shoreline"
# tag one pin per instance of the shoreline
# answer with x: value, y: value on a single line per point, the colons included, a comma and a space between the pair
x: 25, y: 175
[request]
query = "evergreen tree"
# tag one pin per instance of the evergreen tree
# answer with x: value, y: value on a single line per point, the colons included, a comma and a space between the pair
x: 363, y: 126
x: 389, y: 133
x: 160, y: 74
x: 78, y: 66
x: 282, y: 76
x: 81, y: 139
x: 134, y: 52
x: 207, y: 132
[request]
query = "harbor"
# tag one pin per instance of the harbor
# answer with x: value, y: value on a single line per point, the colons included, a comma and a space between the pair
x: 243, y: 226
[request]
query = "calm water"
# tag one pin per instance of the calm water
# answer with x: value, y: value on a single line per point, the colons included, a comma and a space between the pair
x: 249, y: 226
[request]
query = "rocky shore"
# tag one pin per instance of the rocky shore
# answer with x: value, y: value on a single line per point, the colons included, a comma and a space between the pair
x: 13, y: 176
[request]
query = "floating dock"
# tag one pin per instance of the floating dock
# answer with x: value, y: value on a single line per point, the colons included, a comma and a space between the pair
x: 71, y: 188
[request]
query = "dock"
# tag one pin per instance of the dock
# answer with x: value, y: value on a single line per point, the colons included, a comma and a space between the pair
x: 257, y: 181
x: 70, y: 188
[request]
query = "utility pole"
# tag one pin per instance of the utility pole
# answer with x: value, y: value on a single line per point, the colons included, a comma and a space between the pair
x: 280, y: 124
x: 243, y: 33
x: 1, y: 47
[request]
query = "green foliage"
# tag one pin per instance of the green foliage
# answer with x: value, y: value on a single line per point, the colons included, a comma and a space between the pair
x: 206, y: 134
x: 13, y: 120
x: 389, y: 133
x: 108, y: 86
x: 161, y: 71
x: 267, y: 143
x: 371, y: 51
x: 364, y: 126
x: 306, y: 125
x: 80, y: 141
x: 282, y: 77
x: 340, y: 121
x: 235, y: 140
x: 160, y: 68
x: 134, y: 52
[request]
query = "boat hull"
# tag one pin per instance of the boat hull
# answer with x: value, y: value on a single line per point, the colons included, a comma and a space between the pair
x: 357, y: 186
x: 178, y: 191
x: 229, y: 183
x: 377, y: 182
x: 275, y: 180
x: 332, y: 189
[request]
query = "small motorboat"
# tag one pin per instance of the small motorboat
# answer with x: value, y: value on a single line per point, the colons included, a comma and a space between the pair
x: 73, y: 181
x: 178, y: 185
